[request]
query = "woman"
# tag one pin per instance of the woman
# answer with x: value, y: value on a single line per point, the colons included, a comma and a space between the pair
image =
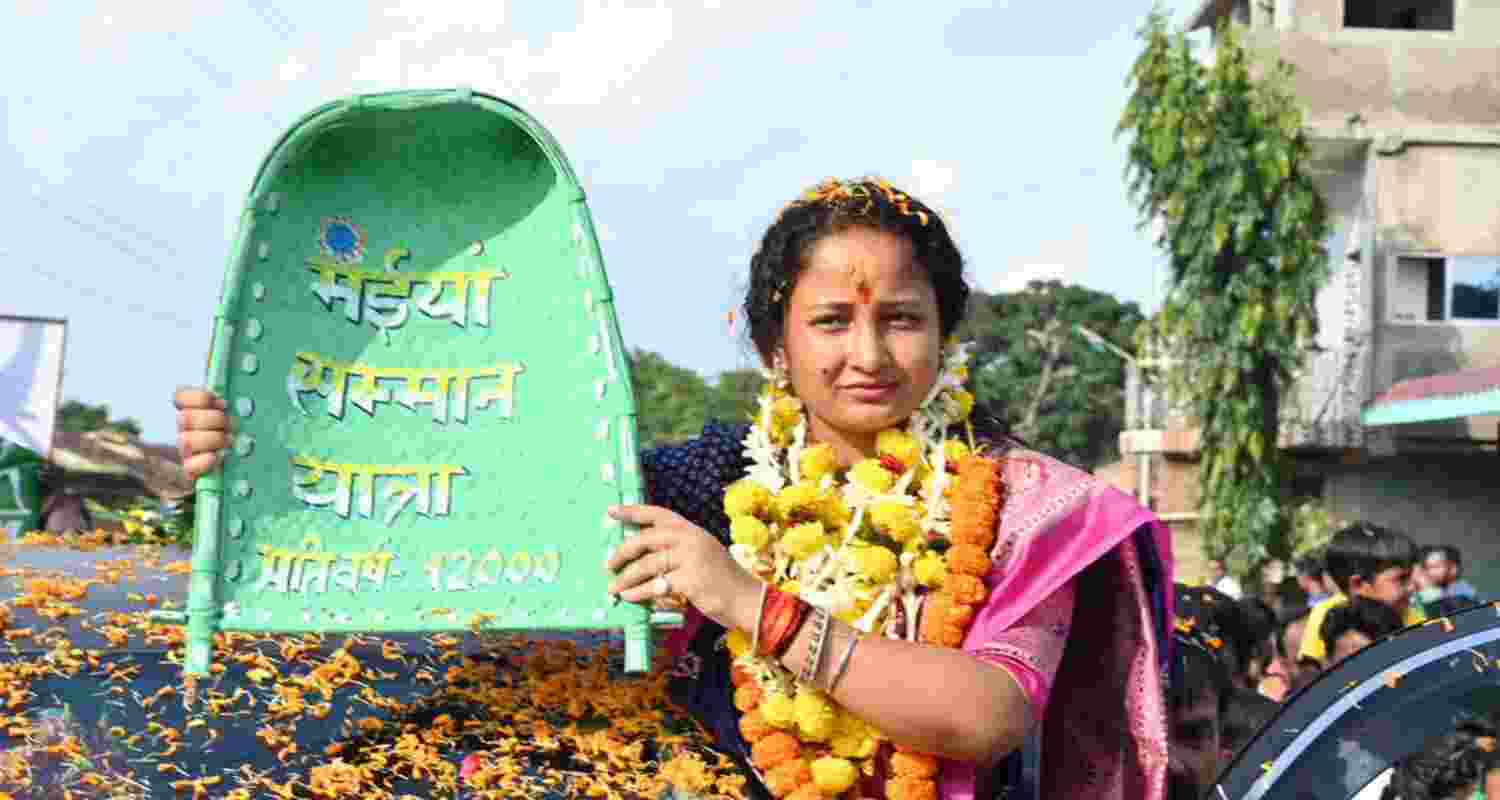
x: 935, y: 655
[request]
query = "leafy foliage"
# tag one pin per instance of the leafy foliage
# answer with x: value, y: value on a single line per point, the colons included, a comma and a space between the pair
x: 79, y: 417
x: 1217, y: 154
x: 1073, y: 409
x: 674, y: 402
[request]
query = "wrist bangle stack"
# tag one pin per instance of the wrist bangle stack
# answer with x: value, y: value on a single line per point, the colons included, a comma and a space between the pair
x: 760, y: 615
x: 843, y: 665
x: 814, y: 659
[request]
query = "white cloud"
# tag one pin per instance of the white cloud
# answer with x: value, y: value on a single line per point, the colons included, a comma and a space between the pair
x: 292, y: 69
x: 1060, y: 260
x: 619, y: 65
x: 936, y: 184
x: 932, y: 180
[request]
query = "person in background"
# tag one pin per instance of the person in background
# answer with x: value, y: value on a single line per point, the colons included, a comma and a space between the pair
x: 1443, y: 568
x: 1355, y: 625
x: 1286, y: 675
x: 1245, y: 713
x: 1260, y: 650
x: 1310, y: 571
x: 1220, y: 579
x: 1196, y: 698
x: 1457, y: 766
x: 1238, y: 631
x: 1369, y: 561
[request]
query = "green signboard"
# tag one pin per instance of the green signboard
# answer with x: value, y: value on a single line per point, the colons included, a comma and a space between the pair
x: 20, y: 490
x: 418, y: 345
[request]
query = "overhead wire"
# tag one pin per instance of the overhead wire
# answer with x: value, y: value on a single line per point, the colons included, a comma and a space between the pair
x: 161, y: 316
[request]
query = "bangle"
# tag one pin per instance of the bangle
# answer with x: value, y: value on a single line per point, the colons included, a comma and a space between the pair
x: 760, y: 613
x: 783, y: 618
x: 843, y: 666
x: 814, y: 658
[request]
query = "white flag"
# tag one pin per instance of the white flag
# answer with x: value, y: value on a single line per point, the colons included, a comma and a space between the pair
x: 31, y: 363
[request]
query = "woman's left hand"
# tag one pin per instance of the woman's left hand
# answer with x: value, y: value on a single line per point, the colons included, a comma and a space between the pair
x: 694, y: 564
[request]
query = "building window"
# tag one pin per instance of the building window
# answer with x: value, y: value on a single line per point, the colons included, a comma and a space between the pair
x: 1453, y: 289
x: 1399, y: 15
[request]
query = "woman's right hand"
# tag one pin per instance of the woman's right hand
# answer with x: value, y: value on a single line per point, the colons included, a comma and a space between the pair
x: 204, y: 430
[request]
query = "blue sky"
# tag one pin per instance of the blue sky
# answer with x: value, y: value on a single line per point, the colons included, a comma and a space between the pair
x: 135, y: 130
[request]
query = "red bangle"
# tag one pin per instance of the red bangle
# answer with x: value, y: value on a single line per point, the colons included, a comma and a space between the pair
x: 782, y: 619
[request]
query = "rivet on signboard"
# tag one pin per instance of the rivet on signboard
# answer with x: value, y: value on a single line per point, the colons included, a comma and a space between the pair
x: 250, y: 364
x: 244, y: 444
x: 236, y: 528
x: 577, y: 233
x: 245, y: 406
x: 242, y: 488
x: 258, y: 291
x: 600, y: 614
x: 306, y: 615
x: 608, y: 472
x: 588, y: 299
x: 476, y: 249
x: 253, y: 330
x: 264, y: 251
x: 601, y: 431
x: 594, y: 345
x: 599, y: 386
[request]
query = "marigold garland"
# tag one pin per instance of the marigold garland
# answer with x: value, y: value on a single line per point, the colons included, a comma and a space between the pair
x: 916, y: 521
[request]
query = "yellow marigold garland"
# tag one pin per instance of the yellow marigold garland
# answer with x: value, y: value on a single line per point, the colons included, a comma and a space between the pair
x: 917, y: 519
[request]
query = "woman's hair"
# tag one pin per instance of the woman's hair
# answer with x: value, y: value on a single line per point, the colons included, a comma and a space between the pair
x: 834, y: 206
x: 1202, y: 658
x: 837, y: 205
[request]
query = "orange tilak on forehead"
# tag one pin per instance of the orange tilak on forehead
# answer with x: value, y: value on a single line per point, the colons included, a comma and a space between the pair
x: 861, y: 279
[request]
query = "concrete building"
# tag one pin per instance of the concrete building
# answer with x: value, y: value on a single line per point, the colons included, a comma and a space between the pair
x: 1402, y: 106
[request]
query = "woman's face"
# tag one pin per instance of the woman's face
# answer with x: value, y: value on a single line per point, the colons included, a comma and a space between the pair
x: 862, y: 337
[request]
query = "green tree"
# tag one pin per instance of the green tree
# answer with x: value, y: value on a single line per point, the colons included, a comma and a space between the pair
x: 672, y: 402
x: 1218, y: 159
x: 1056, y: 390
x: 735, y: 395
x: 78, y: 417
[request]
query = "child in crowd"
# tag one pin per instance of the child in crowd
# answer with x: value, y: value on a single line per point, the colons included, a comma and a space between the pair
x: 1369, y: 561
x: 1355, y: 625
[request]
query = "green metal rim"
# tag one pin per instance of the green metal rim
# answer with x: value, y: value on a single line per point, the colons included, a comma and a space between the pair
x: 1433, y: 409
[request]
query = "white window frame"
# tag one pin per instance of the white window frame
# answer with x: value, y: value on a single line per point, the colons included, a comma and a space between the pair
x: 1390, y: 280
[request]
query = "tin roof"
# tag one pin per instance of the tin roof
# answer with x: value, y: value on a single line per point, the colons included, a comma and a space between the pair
x: 1452, y: 395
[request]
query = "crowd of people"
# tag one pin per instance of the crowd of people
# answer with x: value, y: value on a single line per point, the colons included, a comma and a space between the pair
x: 1240, y: 655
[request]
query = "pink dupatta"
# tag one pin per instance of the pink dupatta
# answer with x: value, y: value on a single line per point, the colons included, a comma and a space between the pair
x: 1105, y: 731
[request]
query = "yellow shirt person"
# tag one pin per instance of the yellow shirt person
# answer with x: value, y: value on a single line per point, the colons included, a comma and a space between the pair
x: 1312, y: 640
